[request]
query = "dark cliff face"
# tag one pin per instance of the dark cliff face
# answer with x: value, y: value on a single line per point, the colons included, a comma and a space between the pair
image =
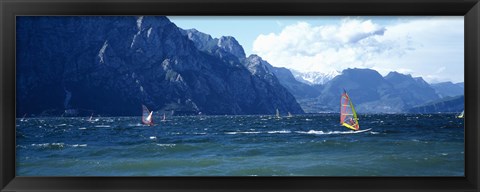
x: 267, y: 90
x: 112, y: 65
x: 269, y: 86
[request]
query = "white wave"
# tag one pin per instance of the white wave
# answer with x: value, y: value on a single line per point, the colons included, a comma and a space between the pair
x: 166, y: 145
x: 153, y: 137
x: 245, y: 132
x: 48, y: 144
x: 59, y: 145
x: 282, y: 131
x: 202, y: 133
x: 61, y: 125
x: 79, y: 145
x: 104, y: 126
x: 313, y: 132
x: 82, y: 128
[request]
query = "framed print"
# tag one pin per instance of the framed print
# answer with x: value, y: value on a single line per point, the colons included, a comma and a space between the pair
x: 211, y: 95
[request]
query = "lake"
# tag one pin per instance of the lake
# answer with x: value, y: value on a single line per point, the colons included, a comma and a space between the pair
x: 302, y: 145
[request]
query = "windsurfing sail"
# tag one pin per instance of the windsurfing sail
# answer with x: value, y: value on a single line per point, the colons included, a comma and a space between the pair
x: 23, y: 118
x: 91, y: 117
x: 348, y: 116
x: 164, y: 118
x: 147, y: 116
x: 461, y: 115
x: 277, y: 114
x: 289, y: 114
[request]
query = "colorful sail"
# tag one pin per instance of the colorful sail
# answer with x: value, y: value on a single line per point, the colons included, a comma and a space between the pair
x: 147, y: 116
x: 348, y: 116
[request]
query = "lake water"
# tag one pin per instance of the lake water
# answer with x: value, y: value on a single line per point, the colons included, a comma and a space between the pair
x: 302, y: 145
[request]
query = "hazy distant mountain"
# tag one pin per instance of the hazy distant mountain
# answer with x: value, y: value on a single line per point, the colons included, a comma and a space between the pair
x: 313, y: 78
x: 112, y: 65
x: 365, y: 86
x: 372, y: 93
x: 448, y: 89
x: 448, y: 104
x: 413, y: 91
x: 462, y: 85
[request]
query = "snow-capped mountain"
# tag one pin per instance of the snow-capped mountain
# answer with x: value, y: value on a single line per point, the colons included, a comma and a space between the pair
x: 313, y: 78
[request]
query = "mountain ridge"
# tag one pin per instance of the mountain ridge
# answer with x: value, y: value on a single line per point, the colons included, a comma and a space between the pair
x: 112, y: 65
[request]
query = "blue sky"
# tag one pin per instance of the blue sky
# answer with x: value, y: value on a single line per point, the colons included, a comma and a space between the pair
x: 430, y: 47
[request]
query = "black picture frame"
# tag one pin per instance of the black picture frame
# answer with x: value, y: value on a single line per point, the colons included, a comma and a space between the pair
x: 470, y: 9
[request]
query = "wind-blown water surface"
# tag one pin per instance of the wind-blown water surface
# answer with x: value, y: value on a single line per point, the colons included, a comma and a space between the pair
x: 313, y: 145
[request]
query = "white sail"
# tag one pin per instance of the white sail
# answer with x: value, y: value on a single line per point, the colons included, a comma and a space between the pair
x: 147, y: 116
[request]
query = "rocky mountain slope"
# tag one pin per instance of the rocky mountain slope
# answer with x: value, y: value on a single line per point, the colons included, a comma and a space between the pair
x: 112, y: 65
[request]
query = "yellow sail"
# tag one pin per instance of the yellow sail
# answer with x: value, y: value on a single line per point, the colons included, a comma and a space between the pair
x: 461, y: 115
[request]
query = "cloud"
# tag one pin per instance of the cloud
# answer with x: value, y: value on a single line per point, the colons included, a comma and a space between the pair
x: 441, y: 69
x: 306, y: 47
x: 420, y: 45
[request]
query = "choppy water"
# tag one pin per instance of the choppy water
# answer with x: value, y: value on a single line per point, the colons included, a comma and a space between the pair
x: 315, y: 145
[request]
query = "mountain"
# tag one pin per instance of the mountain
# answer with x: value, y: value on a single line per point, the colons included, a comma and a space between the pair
x: 228, y: 49
x: 446, y: 105
x: 261, y: 69
x: 111, y: 65
x: 448, y: 89
x: 365, y: 86
x: 462, y: 84
x: 413, y: 91
x: 373, y: 93
x: 285, y: 77
x: 314, y: 78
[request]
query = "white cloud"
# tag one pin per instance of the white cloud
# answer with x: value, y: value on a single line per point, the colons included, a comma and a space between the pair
x: 418, y: 46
